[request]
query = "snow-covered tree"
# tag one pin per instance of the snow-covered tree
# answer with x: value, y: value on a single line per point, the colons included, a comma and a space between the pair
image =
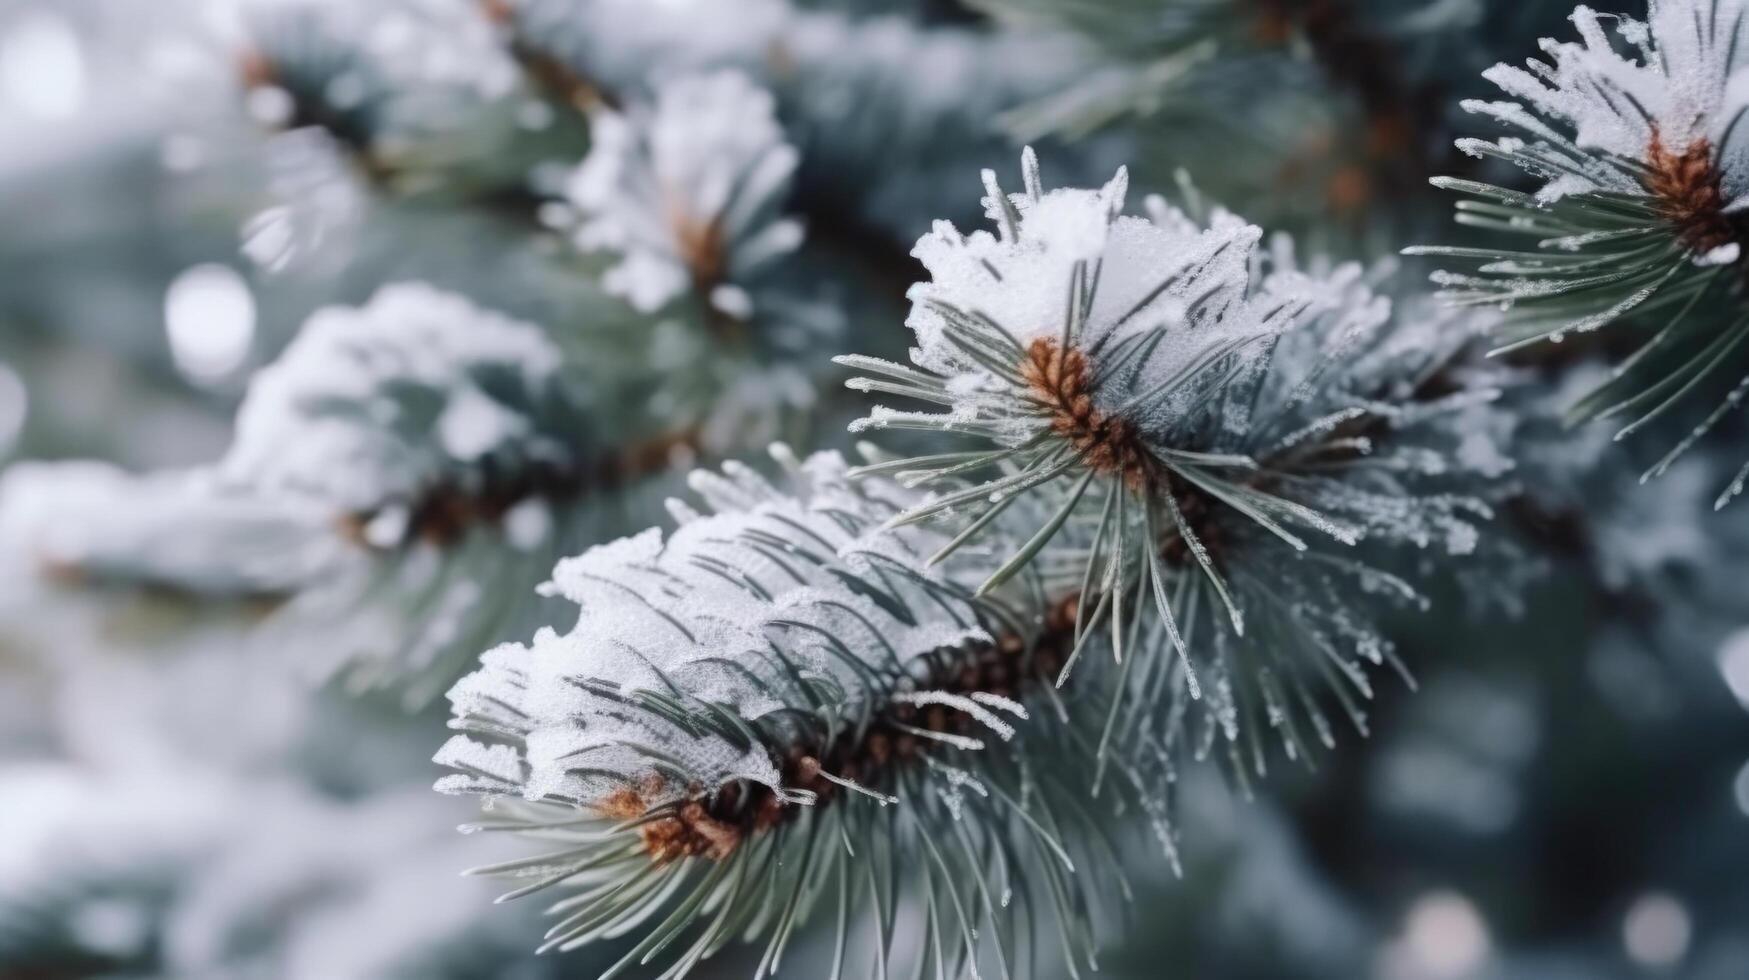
x: 833, y: 570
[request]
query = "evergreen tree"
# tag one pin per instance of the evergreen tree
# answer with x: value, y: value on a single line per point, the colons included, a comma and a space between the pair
x: 834, y: 571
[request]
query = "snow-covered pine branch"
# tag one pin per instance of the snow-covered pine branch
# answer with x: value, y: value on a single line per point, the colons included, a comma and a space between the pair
x: 97, y: 524
x: 409, y: 100
x: 775, y: 713
x: 688, y: 192
x: 882, y: 109
x: 463, y: 451
x: 413, y: 415
x: 1636, y: 136
x: 1229, y: 450
x: 417, y: 464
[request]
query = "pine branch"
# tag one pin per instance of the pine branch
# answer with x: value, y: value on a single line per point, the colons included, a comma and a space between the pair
x: 448, y: 448
x: 775, y: 712
x: 866, y: 99
x: 689, y: 192
x: 91, y: 525
x: 725, y: 729
x: 400, y: 479
x: 437, y: 113
x: 1633, y: 141
x: 562, y: 81
x: 1224, y: 443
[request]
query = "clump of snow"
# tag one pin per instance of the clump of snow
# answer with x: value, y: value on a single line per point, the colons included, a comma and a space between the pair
x: 374, y: 405
x: 98, y: 523
x: 688, y: 191
x: 732, y: 610
x: 1177, y: 286
x: 1726, y: 254
x: 1679, y: 76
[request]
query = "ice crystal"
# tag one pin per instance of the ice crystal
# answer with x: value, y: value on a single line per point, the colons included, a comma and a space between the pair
x: 689, y: 192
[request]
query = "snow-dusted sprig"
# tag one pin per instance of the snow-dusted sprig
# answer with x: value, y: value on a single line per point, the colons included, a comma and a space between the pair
x: 776, y: 712
x: 688, y: 191
x: 1198, y: 427
x: 400, y: 478
x: 884, y: 109
x: 407, y: 411
x: 96, y: 524
x: 461, y: 450
x: 1638, y: 140
x: 408, y: 100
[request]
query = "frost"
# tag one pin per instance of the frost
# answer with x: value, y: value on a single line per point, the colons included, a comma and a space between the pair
x: 970, y: 706
x: 1673, y: 82
x: 688, y: 191
x: 725, y: 614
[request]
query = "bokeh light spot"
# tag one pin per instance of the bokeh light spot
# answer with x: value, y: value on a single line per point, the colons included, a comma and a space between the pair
x: 209, y: 314
x: 1656, y: 930
x: 42, y: 71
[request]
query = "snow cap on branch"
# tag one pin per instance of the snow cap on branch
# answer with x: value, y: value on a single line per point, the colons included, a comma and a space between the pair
x: 1639, y: 141
x: 1222, y: 425
x: 751, y: 611
x: 688, y: 191
x: 1674, y: 84
x: 776, y: 697
x: 95, y: 523
x: 373, y: 407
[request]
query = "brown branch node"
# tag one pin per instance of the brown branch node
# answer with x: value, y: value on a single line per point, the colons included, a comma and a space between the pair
x: 1687, y: 185
x: 1062, y: 379
x: 713, y: 825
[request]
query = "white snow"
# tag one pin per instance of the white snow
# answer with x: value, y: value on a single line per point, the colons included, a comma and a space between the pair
x: 705, y: 163
x: 1672, y: 76
x: 711, y: 612
x: 372, y: 405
